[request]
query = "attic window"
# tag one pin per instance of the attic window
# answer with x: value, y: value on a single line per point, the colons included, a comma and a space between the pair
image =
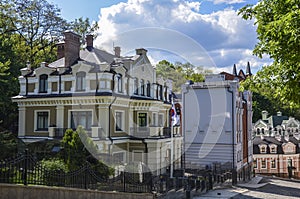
x: 43, y: 83
x: 273, y: 149
x: 263, y: 149
x: 80, y: 81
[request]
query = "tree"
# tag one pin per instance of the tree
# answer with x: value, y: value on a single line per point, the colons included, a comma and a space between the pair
x: 83, y: 27
x: 79, y: 148
x: 9, y: 145
x: 179, y: 73
x: 278, y: 30
x: 38, y: 25
x: 167, y: 70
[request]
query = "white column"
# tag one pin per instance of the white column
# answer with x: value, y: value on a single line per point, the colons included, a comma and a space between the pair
x: 60, y: 116
x: 22, y: 122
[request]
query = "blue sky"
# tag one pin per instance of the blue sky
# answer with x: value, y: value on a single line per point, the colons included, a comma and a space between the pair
x: 206, y: 33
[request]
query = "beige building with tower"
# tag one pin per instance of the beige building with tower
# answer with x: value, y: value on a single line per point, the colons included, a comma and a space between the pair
x: 118, y: 99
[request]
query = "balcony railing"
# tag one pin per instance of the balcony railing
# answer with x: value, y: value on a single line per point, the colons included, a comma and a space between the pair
x: 153, y: 131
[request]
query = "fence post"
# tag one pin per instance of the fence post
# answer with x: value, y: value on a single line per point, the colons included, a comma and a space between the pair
x: 85, y: 174
x: 124, y: 183
x: 24, y: 174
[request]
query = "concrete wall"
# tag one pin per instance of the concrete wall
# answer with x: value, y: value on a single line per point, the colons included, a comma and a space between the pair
x: 10, y: 191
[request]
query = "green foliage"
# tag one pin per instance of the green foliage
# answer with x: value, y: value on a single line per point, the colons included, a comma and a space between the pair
x: 9, y: 145
x: 179, y: 73
x: 83, y: 27
x: 278, y: 31
x: 78, y: 148
x: 54, y: 165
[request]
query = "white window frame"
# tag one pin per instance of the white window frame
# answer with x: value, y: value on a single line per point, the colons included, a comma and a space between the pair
x: 158, y: 122
x: 154, y: 119
x: 138, y: 151
x: 121, y: 152
x: 77, y: 110
x: 80, y: 86
x: 147, y: 119
x: 35, y: 120
x: 122, y: 121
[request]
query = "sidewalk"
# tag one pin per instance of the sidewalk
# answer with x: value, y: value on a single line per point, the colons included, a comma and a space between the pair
x: 231, y: 191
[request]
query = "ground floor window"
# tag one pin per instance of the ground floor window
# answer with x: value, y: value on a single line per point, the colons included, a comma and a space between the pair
x: 42, y: 120
x: 83, y: 118
x: 255, y: 163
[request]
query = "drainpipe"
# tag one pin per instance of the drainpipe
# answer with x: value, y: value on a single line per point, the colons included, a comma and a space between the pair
x: 234, y: 177
x: 26, y: 86
x: 109, y: 113
x: 146, y: 150
x: 184, y: 91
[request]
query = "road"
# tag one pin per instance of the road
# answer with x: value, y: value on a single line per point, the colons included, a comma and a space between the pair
x: 275, y: 188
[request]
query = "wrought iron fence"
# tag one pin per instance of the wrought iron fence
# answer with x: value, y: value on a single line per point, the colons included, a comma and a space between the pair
x: 25, y: 169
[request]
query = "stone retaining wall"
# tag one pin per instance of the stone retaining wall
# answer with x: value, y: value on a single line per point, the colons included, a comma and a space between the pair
x: 11, y: 191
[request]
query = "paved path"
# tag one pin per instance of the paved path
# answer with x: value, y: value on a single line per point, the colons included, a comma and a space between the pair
x: 264, y: 188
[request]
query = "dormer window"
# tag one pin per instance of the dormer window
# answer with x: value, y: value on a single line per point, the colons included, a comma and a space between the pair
x: 273, y: 149
x: 80, y: 81
x: 43, y: 83
x: 258, y: 131
x: 263, y: 148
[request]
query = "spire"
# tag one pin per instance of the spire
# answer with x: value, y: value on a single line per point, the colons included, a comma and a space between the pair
x: 234, y: 70
x: 248, y: 70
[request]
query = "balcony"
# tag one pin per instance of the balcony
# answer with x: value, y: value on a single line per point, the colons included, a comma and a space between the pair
x: 153, y: 131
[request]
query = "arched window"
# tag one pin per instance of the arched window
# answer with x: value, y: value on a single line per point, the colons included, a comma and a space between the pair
x: 148, y: 89
x: 136, y: 86
x: 263, y: 131
x: 258, y: 131
x: 43, y: 83
x: 80, y: 81
x: 142, y: 87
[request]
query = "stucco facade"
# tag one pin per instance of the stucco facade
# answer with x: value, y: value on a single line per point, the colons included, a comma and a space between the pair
x: 120, y: 102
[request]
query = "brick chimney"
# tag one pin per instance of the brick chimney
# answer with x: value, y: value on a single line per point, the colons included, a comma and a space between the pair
x: 60, y: 50
x: 72, y: 48
x: 117, y: 50
x: 264, y: 115
x: 89, y: 41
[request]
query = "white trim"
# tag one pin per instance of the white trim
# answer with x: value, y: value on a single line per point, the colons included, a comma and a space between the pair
x: 35, y: 121
x: 77, y: 110
x: 163, y: 119
x: 122, y: 121
x: 154, y: 121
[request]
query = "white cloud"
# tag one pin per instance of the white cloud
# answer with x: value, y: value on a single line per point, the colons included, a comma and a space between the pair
x: 217, y: 40
x: 227, y: 1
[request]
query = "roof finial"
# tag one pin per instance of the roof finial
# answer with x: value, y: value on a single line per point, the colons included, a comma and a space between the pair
x: 234, y: 70
x: 248, y: 70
